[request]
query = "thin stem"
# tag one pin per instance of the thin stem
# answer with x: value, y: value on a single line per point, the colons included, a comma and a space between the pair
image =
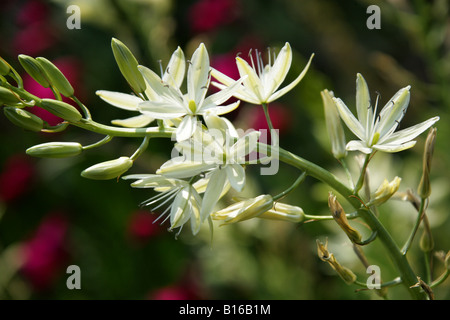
x: 441, y: 279
x: 294, y: 185
x: 86, y: 111
x: 98, y: 143
x: 141, y: 148
x: 273, y: 135
x: 344, y: 164
x: 420, y: 214
x: 360, y: 182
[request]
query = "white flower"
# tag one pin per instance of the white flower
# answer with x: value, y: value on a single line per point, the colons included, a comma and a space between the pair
x: 173, y: 104
x: 377, y: 132
x: 219, y: 152
x: 173, y: 75
x: 263, y: 81
x: 185, y: 198
x: 244, y: 210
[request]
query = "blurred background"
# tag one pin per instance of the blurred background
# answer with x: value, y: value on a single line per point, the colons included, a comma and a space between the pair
x: 51, y: 217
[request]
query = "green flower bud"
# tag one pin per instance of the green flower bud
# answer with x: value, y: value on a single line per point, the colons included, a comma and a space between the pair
x: 8, y: 97
x: 285, y: 212
x: 56, y: 77
x: 4, y: 67
x: 61, y: 109
x: 34, y: 69
x: 24, y: 119
x: 108, y: 169
x: 424, y: 189
x: 128, y: 66
x: 55, y: 150
x: 426, y: 241
x: 334, y: 125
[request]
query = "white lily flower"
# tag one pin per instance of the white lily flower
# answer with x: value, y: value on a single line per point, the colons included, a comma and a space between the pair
x: 219, y: 152
x: 173, y: 75
x: 184, y: 197
x: 262, y: 82
x: 173, y: 104
x: 377, y: 132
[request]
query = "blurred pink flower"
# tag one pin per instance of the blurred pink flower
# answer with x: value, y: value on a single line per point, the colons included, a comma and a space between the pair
x: 44, y: 253
x: 207, y: 15
x: 15, y: 178
x: 279, y: 114
x: 173, y: 292
x: 71, y: 68
x: 142, y: 226
x: 35, y: 34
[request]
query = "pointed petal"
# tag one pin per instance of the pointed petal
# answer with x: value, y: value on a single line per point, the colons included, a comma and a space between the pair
x: 195, y: 205
x: 186, y: 128
x: 178, y: 167
x: 179, y: 213
x: 198, y: 75
x: 394, y: 147
x: 242, y: 93
x: 393, y: 112
x: 408, y: 134
x: 290, y: 86
x: 176, y: 69
x: 161, y: 109
x: 120, y: 100
x: 236, y: 176
x: 222, y: 96
x: 356, y: 145
x: 349, y: 119
x: 133, y: 122
x: 213, y: 192
x: 252, y: 81
x: 279, y: 70
x: 363, y: 107
x: 219, y: 110
x: 160, y: 89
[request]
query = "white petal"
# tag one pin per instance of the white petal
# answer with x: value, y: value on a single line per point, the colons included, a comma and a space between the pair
x: 242, y: 93
x: 213, y: 192
x: 195, y: 205
x: 279, y: 70
x: 349, y: 119
x: 356, y: 145
x: 236, y: 176
x: 394, y: 147
x: 244, y: 146
x: 120, y: 100
x: 198, y: 75
x: 252, y: 81
x: 186, y: 128
x: 161, y: 109
x: 363, y: 107
x: 290, y: 86
x: 410, y: 133
x: 176, y: 69
x: 393, y: 112
x: 133, y: 122
x: 179, y: 213
x: 178, y: 167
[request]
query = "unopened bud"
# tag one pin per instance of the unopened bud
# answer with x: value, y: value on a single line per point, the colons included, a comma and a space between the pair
x: 128, y: 66
x: 345, y: 273
x: 55, y: 150
x: 24, y: 119
x: 61, y: 109
x: 424, y: 189
x: 286, y: 212
x: 334, y: 125
x: 8, y: 97
x: 56, y: 77
x: 244, y: 210
x: 339, y: 216
x: 34, y: 69
x: 108, y: 169
x: 385, y: 191
x: 426, y: 242
x: 4, y: 67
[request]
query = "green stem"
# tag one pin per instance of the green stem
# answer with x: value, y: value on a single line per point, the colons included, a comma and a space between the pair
x: 416, y: 227
x: 406, y: 273
x: 312, y: 217
x: 362, y: 176
x: 273, y: 135
x: 294, y: 185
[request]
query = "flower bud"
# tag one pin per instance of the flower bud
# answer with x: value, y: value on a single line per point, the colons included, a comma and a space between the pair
x: 334, y: 126
x: 345, y: 273
x: 339, y: 216
x: 61, y: 109
x: 8, y: 97
x: 56, y: 77
x: 286, y: 212
x: 385, y: 191
x: 24, y: 119
x: 108, y: 169
x: 424, y: 189
x: 128, y: 66
x: 244, y: 210
x: 55, y: 150
x: 426, y: 241
x: 34, y: 69
x: 4, y: 67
